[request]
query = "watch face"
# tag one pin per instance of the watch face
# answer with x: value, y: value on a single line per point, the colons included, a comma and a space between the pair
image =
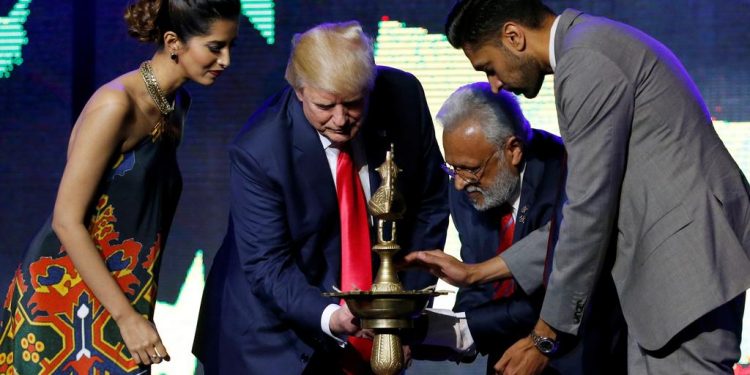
x: 546, y: 346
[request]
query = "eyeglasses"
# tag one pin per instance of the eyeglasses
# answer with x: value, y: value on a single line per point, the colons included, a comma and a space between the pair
x: 471, y: 176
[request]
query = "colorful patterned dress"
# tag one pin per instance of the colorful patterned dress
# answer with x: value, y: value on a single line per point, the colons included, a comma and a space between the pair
x: 51, y: 322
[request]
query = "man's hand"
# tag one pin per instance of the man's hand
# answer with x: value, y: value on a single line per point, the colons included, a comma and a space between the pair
x: 343, y: 322
x: 454, y: 272
x: 407, y: 356
x: 523, y: 358
x: 442, y: 265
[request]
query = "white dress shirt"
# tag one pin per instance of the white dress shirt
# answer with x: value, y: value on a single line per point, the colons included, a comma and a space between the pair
x: 552, y: 61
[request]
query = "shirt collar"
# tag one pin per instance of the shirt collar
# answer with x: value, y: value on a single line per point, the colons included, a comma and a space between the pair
x: 517, y: 202
x: 552, y: 62
x: 356, y: 142
x: 324, y: 141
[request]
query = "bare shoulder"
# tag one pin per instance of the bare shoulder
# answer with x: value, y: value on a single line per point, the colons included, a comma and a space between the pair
x: 114, y: 97
x: 109, y: 113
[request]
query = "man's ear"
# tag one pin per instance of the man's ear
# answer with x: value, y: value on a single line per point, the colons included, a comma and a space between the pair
x: 298, y: 91
x: 513, y: 36
x: 514, y: 150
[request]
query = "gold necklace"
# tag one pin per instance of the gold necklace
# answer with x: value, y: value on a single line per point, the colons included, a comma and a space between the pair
x: 161, y: 102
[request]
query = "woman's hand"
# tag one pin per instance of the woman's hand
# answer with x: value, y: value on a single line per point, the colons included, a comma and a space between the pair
x: 142, y: 339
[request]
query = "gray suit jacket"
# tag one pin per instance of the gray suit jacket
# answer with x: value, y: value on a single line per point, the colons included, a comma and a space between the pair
x: 649, y: 178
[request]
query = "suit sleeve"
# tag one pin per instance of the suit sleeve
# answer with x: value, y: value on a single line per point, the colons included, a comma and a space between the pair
x: 264, y: 245
x: 431, y: 223
x: 473, y: 295
x: 462, y: 213
x: 526, y: 258
x: 505, y: 320
x: 595, y: 108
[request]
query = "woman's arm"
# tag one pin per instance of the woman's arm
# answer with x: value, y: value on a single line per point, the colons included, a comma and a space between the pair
x: 100, y: 132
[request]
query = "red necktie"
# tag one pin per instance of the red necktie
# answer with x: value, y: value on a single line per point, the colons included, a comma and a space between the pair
x: 505, y: 287
x: 356, y: 259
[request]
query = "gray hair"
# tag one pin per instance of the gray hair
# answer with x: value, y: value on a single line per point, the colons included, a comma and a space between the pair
x: 499, y: 115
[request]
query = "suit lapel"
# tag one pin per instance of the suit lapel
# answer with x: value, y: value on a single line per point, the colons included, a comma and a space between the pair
x: 310, y: 158
x: 531, y: 186
x: 528, y: 189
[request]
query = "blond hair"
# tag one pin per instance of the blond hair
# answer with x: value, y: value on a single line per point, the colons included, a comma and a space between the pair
x: 333, y: 57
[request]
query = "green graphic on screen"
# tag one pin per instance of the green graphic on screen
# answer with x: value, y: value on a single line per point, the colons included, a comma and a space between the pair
x: 13, y: 37
x: 262, y: 15
x: 176, y: 321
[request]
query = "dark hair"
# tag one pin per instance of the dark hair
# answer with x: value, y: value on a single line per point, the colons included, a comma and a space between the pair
x: 148, y: 20
x: 474, y: 22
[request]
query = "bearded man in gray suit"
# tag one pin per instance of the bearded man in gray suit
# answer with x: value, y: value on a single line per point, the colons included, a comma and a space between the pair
x: 648, y: 178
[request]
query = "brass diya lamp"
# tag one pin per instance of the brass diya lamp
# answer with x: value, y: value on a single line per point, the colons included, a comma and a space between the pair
x: 387, y: 308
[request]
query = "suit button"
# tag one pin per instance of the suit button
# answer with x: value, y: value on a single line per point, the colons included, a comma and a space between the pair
x: 304, y: 358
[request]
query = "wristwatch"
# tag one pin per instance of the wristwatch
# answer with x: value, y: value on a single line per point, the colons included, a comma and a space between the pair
x: 546, y: 345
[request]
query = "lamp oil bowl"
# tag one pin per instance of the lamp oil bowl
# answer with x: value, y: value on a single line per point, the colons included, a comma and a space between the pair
x: 386, y: 308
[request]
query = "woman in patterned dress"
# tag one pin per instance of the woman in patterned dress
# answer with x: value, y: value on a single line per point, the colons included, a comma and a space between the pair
x: 82, y: 300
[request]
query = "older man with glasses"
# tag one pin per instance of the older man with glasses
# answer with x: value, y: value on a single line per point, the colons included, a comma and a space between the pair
x: 507, y: 190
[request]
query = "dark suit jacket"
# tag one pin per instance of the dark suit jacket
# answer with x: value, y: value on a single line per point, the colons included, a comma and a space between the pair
x: 541, y: 196
x: 496, y: 325
x: 262, y: 303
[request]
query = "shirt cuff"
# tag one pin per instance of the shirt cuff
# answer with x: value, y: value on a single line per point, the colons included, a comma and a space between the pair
x: 467, y: 341
x: 325, y: 323
x: 449, y: 329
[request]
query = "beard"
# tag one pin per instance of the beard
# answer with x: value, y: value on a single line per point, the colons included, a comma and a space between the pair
x: 505, y: 187
x: 533, y: 78
x: 528, y: 78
